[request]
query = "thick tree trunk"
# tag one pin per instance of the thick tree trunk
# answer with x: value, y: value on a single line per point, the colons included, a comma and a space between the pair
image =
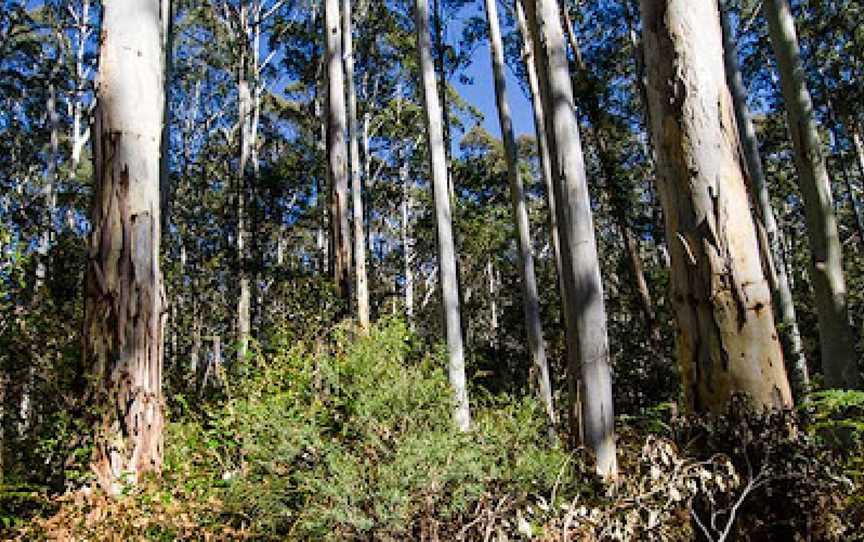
x: 727, y: 343
x: 584, y: 307
x: 340, y: 236
x: 530, y: 296
x: 443, y: 219
x: 362, y: 279
x: 123, y: 301
x: 837, y: 345
x: 775, y: 267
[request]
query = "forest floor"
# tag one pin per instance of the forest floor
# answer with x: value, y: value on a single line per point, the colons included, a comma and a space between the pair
x: 358, y: 444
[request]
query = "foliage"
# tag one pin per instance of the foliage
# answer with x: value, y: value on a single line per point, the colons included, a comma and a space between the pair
x: 316, y: 447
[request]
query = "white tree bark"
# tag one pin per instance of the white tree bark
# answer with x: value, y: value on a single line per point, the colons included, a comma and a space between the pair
x: 775, y: 269
x: 530, y: 296
x: 244, y: 118
x: 837, y: 346
x: 584, y: 306
x: 540, y: 132
x: 361, y: 277
x: 727, y: 342
x: 443, y: 219
x: 337, y: 152
x: 407, y: 243
x: 123, y: 304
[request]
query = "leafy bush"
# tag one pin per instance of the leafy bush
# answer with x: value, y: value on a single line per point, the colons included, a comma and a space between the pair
x: 357, y: 443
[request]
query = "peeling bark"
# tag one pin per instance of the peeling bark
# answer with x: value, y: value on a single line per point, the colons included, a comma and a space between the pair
x: 123, y: 300
x: 727, y: 342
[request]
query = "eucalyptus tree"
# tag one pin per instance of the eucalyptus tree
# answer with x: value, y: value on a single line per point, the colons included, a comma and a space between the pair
x: 530, y: 298
x: 337, y: 155
x: 584, y: 306
x: 122, y: 337
x: 727, y: 341
x: 360, y: 276
x: 836, y: 341
x: 443, y: 218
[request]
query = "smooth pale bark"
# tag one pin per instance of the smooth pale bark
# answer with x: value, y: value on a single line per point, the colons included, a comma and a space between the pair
x: 775, y: 266
x: 337, y: 153
x: 361, y: 277
x: 837, y: 346
x: 584, y: 307
x: 530, y: 296
x: 244, y: 298
x: 618, y: 196
x: 407, y: 244
x: 493, y: 303
x: 122, y: 335
x: 540, y: 132
x: 443, y: 220
x: 80, y: 136
x: 727, y: 341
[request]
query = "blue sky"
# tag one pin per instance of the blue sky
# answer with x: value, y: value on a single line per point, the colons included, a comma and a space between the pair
x: 481, y: 93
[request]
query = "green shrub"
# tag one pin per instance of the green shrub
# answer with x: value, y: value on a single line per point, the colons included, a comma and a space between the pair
x: 357, y: 443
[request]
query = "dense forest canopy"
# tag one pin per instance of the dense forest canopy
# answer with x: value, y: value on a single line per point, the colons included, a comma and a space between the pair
x: 433, y: 270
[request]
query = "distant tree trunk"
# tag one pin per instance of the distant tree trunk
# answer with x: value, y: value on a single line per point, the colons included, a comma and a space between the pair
x: 407, y: 243
x: 540, y: 132
x: 584, y: 307
x: 80, y: 136
x: 122, y: 335
x: 443, y: 219
x: 835, y: 334
x: 778, y: 280
x: 244, y: 299
x: 727, y: 342
x: 340, y: 236
x: 530, y: 296
x: 362, y: 279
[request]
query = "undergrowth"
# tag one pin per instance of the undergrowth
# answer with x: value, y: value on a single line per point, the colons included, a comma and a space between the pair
x: 354, y: 441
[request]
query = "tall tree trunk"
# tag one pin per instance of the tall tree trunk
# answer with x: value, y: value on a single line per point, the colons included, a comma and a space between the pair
x: 443, y: 219
x: 530, y: 296
x: 775, y: 267
x: 407, y: 243
x: 540, y: 132
x: 584, y: 307
x: 80, y: 137
x: 123, y: 300
x: 244, y: 299
x: 727, y: 342
x: 362, y: 280
x: 837, y: 346
x: 337, y: 153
